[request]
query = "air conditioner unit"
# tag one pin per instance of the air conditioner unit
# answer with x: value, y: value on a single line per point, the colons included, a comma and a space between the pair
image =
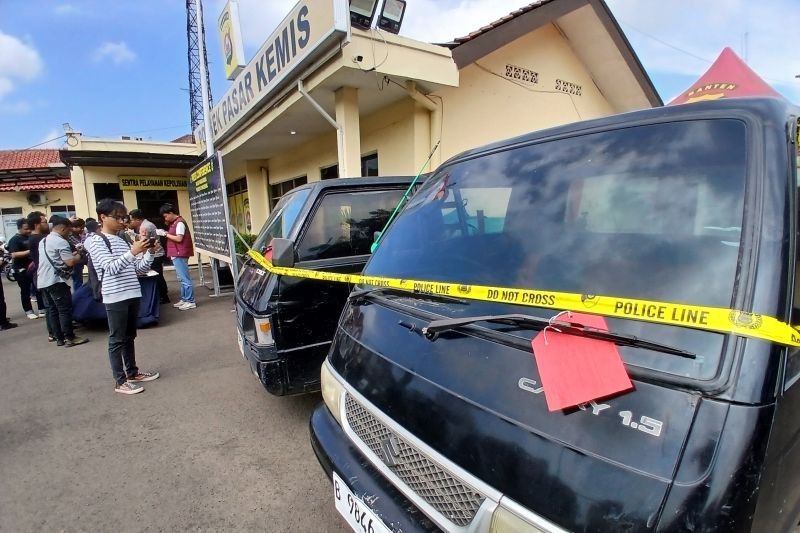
x: 37, y: 198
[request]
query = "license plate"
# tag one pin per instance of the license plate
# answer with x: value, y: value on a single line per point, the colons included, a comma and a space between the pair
x: 355, y: 512
x: 241, y: 343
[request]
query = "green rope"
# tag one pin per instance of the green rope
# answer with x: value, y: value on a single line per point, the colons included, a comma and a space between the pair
x: 403, y: 199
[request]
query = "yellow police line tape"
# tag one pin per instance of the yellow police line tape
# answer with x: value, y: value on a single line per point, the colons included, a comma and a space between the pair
x: 692, y: 316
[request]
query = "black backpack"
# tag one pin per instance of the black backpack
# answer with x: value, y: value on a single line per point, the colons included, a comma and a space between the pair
x: 95, y: 282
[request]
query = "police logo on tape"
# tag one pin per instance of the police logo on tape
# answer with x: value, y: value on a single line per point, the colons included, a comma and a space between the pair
x: 589, y: 300
x: 745, y: 320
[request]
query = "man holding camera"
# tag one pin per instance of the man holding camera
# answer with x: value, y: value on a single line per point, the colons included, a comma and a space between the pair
x: 117, y: 265
x: 56, y: 261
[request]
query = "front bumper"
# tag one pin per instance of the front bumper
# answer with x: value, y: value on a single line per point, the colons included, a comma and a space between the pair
x: 278, y: 374
x: 335, y: 452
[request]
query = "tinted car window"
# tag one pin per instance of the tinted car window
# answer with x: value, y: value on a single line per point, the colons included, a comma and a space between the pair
x: 344, y: 223
x: 651, y: 212
x: 283, y: 217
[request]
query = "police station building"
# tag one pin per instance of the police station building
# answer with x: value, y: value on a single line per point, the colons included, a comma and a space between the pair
x: 323, y: 99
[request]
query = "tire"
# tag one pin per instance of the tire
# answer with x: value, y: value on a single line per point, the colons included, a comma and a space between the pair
x: 10, y: 275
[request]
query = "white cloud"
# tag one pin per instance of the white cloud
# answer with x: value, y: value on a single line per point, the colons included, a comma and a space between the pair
x: 54, y: 138
x: 437, y: 22
x: 425, y: 20
x: 117, y: 53
x: 19, y: 107
x: 19, y: 61
x: 65, y: 9
x: 703, y: 29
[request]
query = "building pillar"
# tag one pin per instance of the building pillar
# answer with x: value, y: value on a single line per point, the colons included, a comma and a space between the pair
x: 347, y: 117
x: 129, y: 199
x: 257, y: 172
x: 84, y: 208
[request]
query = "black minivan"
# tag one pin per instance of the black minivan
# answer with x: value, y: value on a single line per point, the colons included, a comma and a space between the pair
x: 694, y: 204
x: 285, y: 325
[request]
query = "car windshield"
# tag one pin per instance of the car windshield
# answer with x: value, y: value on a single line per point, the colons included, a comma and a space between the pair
x: 651, y: 212
x: 283, y: 217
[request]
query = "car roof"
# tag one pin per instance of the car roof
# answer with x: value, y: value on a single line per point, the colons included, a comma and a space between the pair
x: 775, y: 110
x: 339, y: 183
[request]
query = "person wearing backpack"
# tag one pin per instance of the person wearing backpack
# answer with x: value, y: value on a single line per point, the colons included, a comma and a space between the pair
x: 116, y: 265
x: 56, y: 260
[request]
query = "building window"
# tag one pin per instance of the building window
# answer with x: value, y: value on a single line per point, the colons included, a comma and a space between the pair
x: 369, y: 165
x: 65, y: 211
x: 9, y: 217
x: 329, y: 173
x: 279, y: 189
x: 107, y: 190
x: 239, y: 205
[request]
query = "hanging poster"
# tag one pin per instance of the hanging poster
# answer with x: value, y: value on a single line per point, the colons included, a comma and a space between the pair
x: 207, y: 201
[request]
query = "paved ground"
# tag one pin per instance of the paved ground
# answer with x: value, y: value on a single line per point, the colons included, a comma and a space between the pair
x: 203, y: 448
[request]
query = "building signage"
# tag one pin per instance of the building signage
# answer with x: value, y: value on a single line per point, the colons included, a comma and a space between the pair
x: 152, y: 183
x: 310, y: 29
x: 208, y: 208
x: 230, y: 35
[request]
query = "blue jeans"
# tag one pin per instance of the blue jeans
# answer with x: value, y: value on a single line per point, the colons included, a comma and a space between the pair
x: 182, y: 271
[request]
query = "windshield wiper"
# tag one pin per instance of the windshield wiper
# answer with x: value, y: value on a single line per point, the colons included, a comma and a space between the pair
x: 535, y: 322
x: 366, y: 293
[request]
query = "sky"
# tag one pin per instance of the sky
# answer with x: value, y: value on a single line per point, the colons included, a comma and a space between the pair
x: 112, y: 68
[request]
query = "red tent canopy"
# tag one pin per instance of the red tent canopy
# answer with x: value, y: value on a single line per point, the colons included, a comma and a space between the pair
x: 728, y: 77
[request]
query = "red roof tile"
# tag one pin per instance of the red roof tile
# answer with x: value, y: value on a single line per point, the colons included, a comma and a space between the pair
x: 188, y: 138
x: 37, y: 185
x: 25, y: 159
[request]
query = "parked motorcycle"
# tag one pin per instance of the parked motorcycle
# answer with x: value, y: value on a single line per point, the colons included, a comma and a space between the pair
x: 5, y: 262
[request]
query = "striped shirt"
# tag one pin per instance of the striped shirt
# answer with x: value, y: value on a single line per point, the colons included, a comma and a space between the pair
x: 117, y: 270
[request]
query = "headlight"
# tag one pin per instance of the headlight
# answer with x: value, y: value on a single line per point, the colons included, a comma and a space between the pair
x: 332, y: 392
x: 505, y: 520
x: 263, y: 331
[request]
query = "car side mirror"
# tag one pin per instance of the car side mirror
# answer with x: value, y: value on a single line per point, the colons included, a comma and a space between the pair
x: 375, y: 238
x: 282, y: 252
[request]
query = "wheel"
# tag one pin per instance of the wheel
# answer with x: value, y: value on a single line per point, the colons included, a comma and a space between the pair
x: 10, y: 275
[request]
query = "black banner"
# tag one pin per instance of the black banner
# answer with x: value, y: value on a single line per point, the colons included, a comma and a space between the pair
x: 207, y: 203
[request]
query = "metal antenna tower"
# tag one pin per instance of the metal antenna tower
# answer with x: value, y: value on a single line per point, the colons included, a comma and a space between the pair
x: 195, y: 90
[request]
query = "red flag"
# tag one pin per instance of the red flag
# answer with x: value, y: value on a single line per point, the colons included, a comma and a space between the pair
x: 576, y: 370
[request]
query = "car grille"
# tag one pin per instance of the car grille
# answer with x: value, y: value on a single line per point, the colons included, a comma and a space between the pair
x: 456, y: 501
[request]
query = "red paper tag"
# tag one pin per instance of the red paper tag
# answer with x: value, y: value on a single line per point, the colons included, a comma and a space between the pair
x: 576, y: 370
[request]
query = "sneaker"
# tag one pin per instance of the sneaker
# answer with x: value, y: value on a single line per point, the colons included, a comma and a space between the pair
x: 7, y: 325
x: 143, y: 376
x: 74, y: 341
x: 128, y: 388
x: 42, y: 314
x: 32, y: 315
x: 187, y: 305
x: 60, y: 342
x: 180, y: 303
